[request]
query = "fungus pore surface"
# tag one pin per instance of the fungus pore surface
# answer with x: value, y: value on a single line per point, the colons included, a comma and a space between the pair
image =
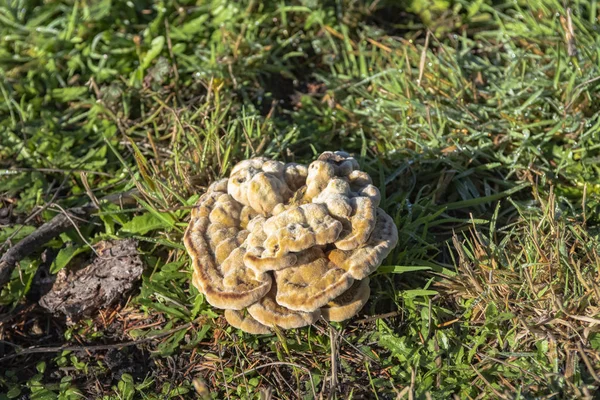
x: 280, y: 245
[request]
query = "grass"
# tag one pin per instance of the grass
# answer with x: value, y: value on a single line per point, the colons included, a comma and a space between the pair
x: 478, y: 120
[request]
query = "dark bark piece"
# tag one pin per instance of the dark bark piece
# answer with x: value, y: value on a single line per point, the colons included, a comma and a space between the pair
x: 80, y: 293
x: 57, y: 225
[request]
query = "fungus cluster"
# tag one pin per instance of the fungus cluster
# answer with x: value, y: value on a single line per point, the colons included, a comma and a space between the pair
x: 283, y: 244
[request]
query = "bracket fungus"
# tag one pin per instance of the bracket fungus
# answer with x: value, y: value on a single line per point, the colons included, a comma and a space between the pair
x: 281, y: 245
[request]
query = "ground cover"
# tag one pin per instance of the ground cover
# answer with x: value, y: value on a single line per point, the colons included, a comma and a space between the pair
x: 478, y: 120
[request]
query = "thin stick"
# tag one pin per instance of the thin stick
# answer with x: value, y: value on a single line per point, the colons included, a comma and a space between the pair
x: 487, y: 383
x: 423, y: 59
x: 281, y: 363
x: 57, y: 225
x: 378, y: 316
x: 333, y: 346
x: 587, y: 362
x: 67, y: 216
x: 56, y: 170
x: 36, y: 212
x: 37, y: 350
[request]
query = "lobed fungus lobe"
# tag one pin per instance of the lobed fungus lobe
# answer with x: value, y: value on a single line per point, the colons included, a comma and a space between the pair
x: 280, y: 245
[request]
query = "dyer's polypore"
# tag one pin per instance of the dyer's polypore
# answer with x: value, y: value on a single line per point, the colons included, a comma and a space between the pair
x: 284, y: 244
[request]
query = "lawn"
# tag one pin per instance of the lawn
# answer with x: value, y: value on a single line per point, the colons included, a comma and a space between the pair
x: 479, y: 122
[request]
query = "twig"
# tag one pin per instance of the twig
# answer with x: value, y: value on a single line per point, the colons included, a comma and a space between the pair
x: 56, y: 170
x: 411, y: 392
x: 567, y: 24
x: 587, y: 362
x: 68, y: 217
x: 378, y: 316
x: 423, y: 59
x: 35, y: 213
x: 57, y: 225
x: 221, y: 352
x: 88, y: 189
x: 334, y: 375
x: 359, y: 351
x: 281, y: 363
x: 11, y: 314
x: 37, y: 350
x: 487, y: 383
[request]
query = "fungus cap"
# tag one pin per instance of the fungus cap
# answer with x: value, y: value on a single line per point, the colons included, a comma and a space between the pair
x: 349, y: 303
x: 259, y: 183
x: 219, y: 271
x: 242, y: 320
x: 356, y: 213
x: 311, y: 283
x: 277, y: 245
x: 299, y: 228
x: 364, y: 260
x: 342, y: 162
x: 270, y: 313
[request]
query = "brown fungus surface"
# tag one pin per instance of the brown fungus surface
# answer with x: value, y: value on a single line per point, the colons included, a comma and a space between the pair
x: 280, y: 245
x: 259, y: 183
x: 269, y: 312
x: 366, y: 259
x: 356, y: 213
x: 229, y: 284
x: 244, y: 321
x: 348, y: 303
x: 311, y: 283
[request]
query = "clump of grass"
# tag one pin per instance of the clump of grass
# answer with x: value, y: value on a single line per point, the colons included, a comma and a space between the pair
x: 479, y: 123
x: 531, y: 287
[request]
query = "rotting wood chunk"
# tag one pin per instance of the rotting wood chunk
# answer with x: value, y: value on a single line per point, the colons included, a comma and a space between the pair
x: 78, y: 294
